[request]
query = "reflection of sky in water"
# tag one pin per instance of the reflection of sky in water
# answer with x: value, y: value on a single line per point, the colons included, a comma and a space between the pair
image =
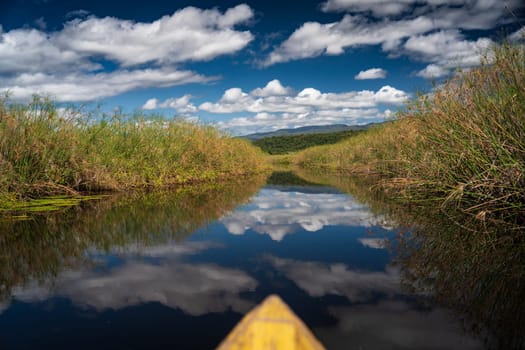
x: 331, y: 271
x: 197, y: 289
x: 278, y: 213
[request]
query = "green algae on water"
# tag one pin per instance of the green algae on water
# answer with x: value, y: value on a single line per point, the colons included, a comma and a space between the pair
x: 21, y: 210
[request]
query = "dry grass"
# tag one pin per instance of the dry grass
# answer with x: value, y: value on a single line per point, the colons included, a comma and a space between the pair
x: 462, y: 146
x: 44, y: 150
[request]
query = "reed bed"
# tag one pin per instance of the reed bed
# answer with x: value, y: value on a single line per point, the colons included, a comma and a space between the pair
x: 46, y: 150
x: 461, y: 146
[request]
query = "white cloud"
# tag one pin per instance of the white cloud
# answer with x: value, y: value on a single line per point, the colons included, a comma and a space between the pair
x: 468, y: 14
x: 372, y: 73
x: 152, y: 103
x: 263, y: 121
x: 275, y: 106
x: 273, y: 88
x: 388, y: 29
x: 307, y: 107
x: 32, y: 51
x: 180, y: 104
x: 278, y: 213
x: 65, y: 63
x: 315, y: 39
x: 446, y: 50
x: 433, y: 71
x: 448, y: 47
x: 190, y: 34
x: 88, y: 87
x: 377, y: 7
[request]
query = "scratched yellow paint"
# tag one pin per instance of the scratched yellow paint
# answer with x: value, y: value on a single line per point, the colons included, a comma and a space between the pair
x: 271, y: 326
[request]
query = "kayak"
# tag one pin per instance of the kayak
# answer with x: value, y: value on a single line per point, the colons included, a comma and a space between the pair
x: 271, y: 325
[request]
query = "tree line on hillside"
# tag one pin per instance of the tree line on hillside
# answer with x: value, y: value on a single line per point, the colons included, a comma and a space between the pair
x: 293, y: 143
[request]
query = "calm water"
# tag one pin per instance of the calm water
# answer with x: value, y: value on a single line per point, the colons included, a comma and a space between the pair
x: 178, y: 270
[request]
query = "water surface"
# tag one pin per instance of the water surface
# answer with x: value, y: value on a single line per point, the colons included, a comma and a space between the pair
x: 179, y: 269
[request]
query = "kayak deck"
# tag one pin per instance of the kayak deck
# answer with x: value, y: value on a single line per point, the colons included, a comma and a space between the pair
x: 271, y: 325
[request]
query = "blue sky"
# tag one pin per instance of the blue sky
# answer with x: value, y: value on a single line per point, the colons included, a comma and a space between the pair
x: 247, y: 66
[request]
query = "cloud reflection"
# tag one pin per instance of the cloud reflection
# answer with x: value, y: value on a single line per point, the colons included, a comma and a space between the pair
x: 278, y: 213
x: 374, y: 243
x: 395, y: 325
x: 319, y: 279
x: 367, y: 323
x: 196, y: 289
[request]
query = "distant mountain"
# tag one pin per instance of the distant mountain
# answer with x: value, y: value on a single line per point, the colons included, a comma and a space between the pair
x: 320, y: 129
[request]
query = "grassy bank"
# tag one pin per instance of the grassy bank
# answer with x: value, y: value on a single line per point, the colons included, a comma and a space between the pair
x: 462, y: 146
x: 45, y: 150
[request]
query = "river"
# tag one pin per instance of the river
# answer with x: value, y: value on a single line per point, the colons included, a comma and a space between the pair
x: 178, y: 269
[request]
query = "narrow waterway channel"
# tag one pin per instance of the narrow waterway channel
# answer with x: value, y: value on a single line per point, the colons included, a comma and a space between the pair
x: 179, y: 270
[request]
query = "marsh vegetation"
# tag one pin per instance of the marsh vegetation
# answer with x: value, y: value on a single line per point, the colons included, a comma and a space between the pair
x: 463, y: 146
x: 45, y: 150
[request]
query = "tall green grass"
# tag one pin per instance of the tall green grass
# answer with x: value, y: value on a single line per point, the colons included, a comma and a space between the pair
x: 461, y: 146
x: 46, y: 150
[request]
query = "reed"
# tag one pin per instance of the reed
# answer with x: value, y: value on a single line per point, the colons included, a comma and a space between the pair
x: 461, y: 146
x: 45, y: 150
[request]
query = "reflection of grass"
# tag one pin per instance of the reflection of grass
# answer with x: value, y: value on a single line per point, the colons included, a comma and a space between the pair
x: 463, y: 146
x: 475, y: 267
x: 40, y: 248
x: 482, y: 278
x: 47, y: 204
x: 44, y: 151
x: 288, y: 178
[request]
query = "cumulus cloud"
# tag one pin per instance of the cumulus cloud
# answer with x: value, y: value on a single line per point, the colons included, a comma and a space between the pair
x: 196, y: 289
x: 190, y: 34
x: 274, y: 107
x: 263, y: 121
x: 32, y: 51
x: 372, y: 73
x: 468, y: 14
x: 433, y: 71
x: 377, y: 7
x: 390, y: 24
x: 66, y: 63
x: 278, y: 213
x: 307, y: 100
x: 180, y: 104
x: 446, y: 50
x: 314, y: 39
